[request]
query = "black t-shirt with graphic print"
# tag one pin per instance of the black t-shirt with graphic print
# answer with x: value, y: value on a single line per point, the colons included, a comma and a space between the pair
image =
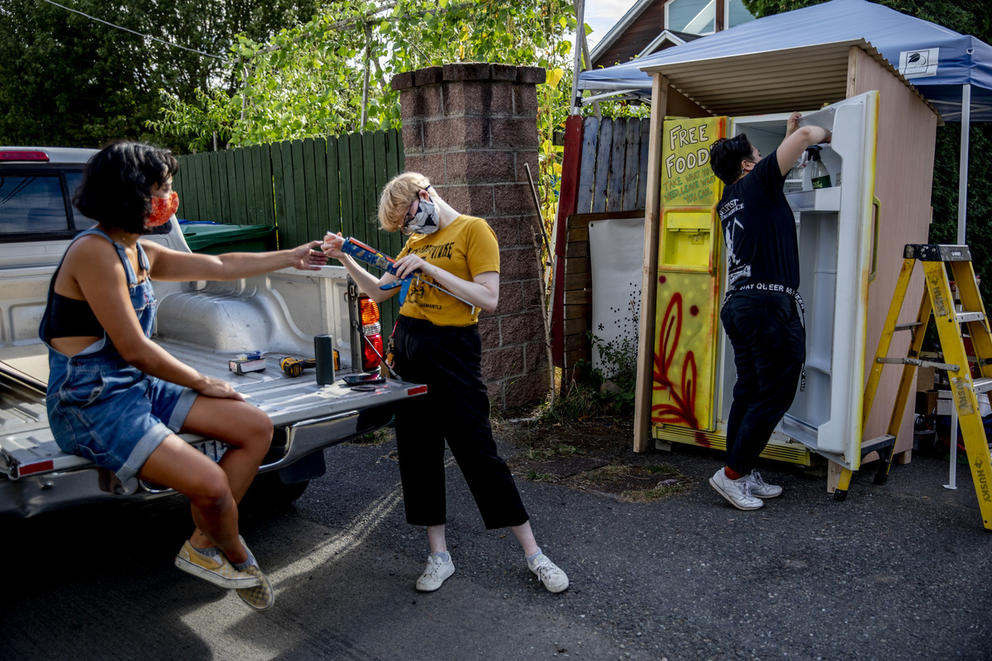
x: 759, y: 229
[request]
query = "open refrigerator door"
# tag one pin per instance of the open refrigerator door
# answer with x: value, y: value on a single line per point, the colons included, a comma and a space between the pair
x: 837, y: 231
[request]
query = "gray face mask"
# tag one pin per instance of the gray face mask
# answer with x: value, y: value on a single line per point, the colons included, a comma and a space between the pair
x: 425, y: 221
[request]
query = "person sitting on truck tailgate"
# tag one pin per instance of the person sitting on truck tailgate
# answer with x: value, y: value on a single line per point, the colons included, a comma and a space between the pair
x: 762, y: 311
x: 437, y: 342
x: 117, y: 398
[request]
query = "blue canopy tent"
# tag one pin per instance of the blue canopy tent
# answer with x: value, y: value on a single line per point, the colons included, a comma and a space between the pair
x: 951, y: 71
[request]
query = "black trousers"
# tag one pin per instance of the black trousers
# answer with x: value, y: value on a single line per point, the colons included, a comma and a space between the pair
x: 769, y: 341
x: 455, y: 409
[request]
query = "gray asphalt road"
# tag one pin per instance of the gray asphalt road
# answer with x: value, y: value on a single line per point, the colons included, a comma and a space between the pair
x: 899, y: 571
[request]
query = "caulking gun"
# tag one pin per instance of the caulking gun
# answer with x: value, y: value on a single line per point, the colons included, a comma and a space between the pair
x: 370, y: 255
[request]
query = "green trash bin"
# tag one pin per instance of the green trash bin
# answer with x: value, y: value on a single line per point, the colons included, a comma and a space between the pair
x: 215, y: 239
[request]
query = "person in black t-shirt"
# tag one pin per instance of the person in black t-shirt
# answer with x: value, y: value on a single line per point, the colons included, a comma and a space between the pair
x: 762, y: 312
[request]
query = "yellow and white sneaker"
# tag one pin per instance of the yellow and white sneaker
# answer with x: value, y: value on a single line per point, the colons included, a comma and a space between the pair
x: 261, y: 596
x: 214, y: 569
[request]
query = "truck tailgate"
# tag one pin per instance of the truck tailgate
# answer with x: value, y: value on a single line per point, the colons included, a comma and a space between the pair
x: 28, y: 448
x: 287, y: 399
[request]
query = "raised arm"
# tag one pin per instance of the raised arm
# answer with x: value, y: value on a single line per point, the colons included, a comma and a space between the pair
x: 168, y: 264
x: 797, y: 139
x: 368, y: 283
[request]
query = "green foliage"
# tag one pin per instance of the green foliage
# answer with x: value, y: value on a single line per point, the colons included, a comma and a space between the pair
x: 69, y: 81
x: 972, y: 18
x: 311, y: 79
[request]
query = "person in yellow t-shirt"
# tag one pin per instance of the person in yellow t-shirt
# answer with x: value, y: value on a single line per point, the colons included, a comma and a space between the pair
x: 437, y: 342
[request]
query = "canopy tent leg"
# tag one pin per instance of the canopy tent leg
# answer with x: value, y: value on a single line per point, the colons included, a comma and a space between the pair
x: 952, y: 470
x: 963, y: 162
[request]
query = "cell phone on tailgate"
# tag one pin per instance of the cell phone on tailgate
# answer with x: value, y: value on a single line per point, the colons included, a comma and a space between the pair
x: 369, y: 379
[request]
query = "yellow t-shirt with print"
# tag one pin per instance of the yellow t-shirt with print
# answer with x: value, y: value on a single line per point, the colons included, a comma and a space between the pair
x: 465, y: 247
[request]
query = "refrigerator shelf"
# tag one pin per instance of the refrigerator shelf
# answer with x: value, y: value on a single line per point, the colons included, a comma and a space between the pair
x: 818, y: 199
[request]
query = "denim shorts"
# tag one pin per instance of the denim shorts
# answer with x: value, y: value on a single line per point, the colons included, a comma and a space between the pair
x: 112, y: 413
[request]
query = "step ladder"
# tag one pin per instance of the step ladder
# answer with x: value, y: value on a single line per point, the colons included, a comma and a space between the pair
x: 938, y: 302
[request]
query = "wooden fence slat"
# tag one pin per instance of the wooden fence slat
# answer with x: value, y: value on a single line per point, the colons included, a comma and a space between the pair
x: 333, y: 187
x: 265, y: 157
x: 384, y: 239
x: 309, y: 190
x: 631, y: 165
x: 209, y: 198
x: 239, y: 188
x: 614, y: 190
x: 220, y: 177
x: 224, y: 163
x: 368, y: 190
x: 179, y: 184
x: 347, y: 203
x: 188, y: 193
x: 256, y: 191
x: 359, y: 226
x: 229, y: 162
x: 394, y: 166
x: 587, y: 167
x: 381, y: 173
x: 642, y: 174
x: 288, y: 219
x: 319, y: 225
x: 248, y: 176
x: 193, y: 167
x: 601, y: 182
x: 299, y: 226
x: 279, y: 190
x: 216, y: 187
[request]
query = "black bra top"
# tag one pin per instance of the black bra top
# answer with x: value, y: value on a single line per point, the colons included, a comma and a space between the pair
x: 69, y: 317
x: 73, y: 317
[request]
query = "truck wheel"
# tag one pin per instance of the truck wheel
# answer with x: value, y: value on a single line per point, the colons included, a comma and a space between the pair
x: 269, y: 489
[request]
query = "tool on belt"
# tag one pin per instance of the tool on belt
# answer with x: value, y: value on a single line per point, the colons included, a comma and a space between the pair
x: 370, y: 255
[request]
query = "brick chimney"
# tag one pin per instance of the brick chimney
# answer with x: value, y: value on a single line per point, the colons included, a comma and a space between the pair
x: 470, y: 128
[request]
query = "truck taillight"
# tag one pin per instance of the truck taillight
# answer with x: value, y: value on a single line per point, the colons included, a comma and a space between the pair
x: 371, y: 352
x: 368, y: 312
x: 23, y: 155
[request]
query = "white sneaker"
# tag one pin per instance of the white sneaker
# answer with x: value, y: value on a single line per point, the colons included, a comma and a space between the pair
x: 551, y: 575
x: 762, y: 489
x: 737, y: 492
x: 436, y: 573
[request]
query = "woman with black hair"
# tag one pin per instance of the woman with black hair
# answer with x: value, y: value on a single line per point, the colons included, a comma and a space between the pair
x: 117, y: 398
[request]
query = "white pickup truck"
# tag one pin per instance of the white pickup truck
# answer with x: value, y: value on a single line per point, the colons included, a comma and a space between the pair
x: 204, y: 324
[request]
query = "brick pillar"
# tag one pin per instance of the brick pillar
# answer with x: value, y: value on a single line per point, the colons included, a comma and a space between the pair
x: 470, y: 128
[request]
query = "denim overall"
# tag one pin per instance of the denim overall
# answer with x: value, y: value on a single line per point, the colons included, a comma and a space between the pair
x: 100, y: 406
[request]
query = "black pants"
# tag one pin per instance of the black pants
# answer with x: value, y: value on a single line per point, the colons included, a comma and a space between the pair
x: 456, y: 408
x: 769, y: 343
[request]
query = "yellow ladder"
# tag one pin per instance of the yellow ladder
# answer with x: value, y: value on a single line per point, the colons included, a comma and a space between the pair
x: 938, y: 301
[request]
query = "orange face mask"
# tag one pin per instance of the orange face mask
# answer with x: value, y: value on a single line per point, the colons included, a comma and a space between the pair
x: 162, y: 209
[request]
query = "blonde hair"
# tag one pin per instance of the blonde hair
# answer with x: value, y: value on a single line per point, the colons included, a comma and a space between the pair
x: 397, y: 197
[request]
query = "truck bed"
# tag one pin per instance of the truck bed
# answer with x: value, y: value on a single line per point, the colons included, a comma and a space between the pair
x: 304, y: 414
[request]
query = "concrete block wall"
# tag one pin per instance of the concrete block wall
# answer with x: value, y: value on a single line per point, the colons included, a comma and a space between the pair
x: 470, y: 128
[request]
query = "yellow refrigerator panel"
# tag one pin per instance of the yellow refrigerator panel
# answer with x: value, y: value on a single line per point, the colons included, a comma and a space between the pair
x: 686, y: 325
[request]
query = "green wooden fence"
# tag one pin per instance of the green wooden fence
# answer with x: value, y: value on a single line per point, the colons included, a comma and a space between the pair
x: 302, y: 187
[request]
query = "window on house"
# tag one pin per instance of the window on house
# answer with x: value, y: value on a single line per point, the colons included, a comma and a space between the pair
x: 737, y: 13
x: 693, y: 16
